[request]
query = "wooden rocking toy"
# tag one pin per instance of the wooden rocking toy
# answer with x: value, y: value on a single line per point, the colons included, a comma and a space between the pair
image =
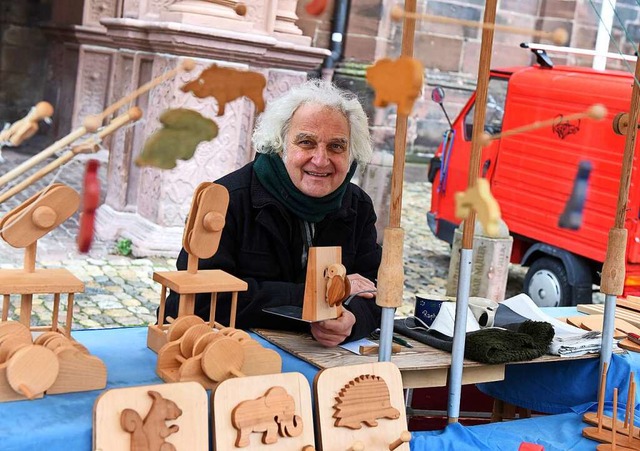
x: 200, y: 240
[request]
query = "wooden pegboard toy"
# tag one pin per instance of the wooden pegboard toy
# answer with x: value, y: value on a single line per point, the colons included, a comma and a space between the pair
x: 198, y: 352
x: 200, y: 240
x: 51, y: 364
x: 152, y: 417
x: 361, y: 407
x: 263, y: 413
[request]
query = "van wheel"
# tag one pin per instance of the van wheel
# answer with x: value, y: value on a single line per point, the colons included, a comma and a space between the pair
x: 547, y: 284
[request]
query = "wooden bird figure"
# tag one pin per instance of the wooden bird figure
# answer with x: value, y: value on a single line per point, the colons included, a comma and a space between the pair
x: 338, y: 285
x: 26, y: 127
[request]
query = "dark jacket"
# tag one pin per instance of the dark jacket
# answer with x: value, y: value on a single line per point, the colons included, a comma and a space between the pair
x: 262, y: 244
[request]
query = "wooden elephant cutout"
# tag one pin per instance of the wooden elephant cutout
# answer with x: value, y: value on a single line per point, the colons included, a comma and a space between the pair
x: 272, y: 414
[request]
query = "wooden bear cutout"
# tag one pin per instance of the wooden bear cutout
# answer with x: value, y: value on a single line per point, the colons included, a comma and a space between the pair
x: 149, y: 434
x: 272, y: 415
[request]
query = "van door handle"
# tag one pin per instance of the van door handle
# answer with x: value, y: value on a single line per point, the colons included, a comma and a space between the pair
x: 485, y: 167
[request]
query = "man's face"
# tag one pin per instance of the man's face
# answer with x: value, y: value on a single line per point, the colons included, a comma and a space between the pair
x: 317, y: 149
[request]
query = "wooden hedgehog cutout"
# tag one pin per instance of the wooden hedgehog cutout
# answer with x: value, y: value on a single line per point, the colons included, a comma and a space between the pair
x: 365, y: 399
x: 227, y: 84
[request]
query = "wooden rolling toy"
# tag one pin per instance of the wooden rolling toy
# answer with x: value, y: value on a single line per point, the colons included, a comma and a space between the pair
x: 26, y: 127
x: 152, y: 417
x: 200, y: 240
x: 361, y: 407
x: 198, y: 352
x: 263, y: 413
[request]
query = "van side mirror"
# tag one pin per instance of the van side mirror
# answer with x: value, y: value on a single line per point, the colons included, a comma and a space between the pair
x: 437, y: 95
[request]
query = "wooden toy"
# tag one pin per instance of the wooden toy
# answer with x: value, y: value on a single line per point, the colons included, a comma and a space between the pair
x: 316, y: 7
x: 263, y: 413
x: 26, y: 127
x: 209, y: 356
x: 200, y: 239
x: 227, y: 84
x: 361, y: 407
x: 152, y: 417
x: 178, y: 138
x: 90, y: 200
x: 396, y: 81
x: 21, y: 228
x: 594, y: 322
x: 326, y: 284
x: 478, y: 198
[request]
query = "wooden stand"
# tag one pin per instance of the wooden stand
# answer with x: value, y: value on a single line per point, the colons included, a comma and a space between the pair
x: 263, y: 413
x: 152, y: 417
x: 201, y: 239
x: 54, y: 362
x: 361, y: 407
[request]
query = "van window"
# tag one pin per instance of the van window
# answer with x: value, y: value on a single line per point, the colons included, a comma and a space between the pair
x: 496, y: 95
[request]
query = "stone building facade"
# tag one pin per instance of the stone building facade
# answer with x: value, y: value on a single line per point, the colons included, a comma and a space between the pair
x: 83, y: 55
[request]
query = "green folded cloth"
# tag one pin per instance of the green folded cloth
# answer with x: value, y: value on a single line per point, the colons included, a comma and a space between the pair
x: 493, y: 346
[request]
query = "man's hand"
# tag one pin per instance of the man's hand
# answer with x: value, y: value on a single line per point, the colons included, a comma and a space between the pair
x: 360, y: 284
x: 332, y: 332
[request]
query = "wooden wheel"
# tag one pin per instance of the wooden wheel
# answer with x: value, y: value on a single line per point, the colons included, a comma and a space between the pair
x: 14, y: 328
x: 32, y: 370
x: 222, y: 359
x: 43, y: 338
x: 180, y: 326
x: 203, y: 341
x: 9, y: 344
x: 190, y: 336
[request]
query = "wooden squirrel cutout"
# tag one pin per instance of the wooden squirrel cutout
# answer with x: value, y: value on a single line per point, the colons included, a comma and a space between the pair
x: 365, y: 399
x: 227, y: 84
x: 201, y: 238
x: 272, y: 415
x: 149, y: 434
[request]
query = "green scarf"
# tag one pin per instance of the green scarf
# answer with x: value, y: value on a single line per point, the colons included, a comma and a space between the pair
x: 273, y: 175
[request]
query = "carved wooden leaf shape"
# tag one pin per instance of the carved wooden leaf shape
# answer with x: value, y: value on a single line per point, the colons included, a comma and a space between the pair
x: 183, y: 130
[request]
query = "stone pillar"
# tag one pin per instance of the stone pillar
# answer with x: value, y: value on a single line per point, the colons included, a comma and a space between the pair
x: 285, y: 27
x: 223, y: 14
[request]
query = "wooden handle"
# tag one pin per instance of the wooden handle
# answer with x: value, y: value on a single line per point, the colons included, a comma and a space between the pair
x: 613, y: 269
x: 373, y: 349
x: 559, y: 36
x: 391, y: 271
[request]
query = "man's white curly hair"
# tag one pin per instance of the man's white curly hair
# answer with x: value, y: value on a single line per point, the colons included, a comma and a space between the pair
x: 272, y: 125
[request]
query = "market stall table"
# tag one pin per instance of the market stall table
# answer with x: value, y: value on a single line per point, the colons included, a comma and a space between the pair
x: 64, y: 422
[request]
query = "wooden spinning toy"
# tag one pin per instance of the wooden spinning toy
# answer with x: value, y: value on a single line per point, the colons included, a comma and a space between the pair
x: 263, y: 413
x: 361, y: 407
x: 200, y: 240
x: 21, y: 228
x: 326, y: 285
x: 198, y: 352
x: 152, y: 417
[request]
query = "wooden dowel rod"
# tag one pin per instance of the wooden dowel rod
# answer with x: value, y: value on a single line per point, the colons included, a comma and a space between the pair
x: 132, y: 115
x: 603, y: 388
x: 596, y: 112
x: 91, y: 121
x: 46, y: 153
x: 234, y: 309
x: 5, y: 307
x: 405, y: 436
x: 236, y: 372
x: 25, y: 391
x: 614, y: 417
x: 56, y: 308
x: 69, y: 320
x: 163, y: 298
x: 559, y: 36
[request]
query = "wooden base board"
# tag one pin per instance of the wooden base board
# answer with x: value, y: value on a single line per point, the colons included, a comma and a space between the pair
x: 621, y: 313
x: 338, y: 382
x: 610, y: 447
x: 605, y: 436
x: 190, y: 398
x: 250, y: 392
x: 592, y: 419
x: 629, y: 345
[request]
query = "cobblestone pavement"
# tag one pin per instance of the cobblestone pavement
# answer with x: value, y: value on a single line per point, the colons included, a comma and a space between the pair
x: 120, y: 291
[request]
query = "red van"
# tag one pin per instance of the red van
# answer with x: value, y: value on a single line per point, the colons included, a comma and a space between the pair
x: 532, y: 175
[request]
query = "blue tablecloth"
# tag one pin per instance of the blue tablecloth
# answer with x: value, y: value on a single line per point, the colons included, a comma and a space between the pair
x: 64, y: 422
